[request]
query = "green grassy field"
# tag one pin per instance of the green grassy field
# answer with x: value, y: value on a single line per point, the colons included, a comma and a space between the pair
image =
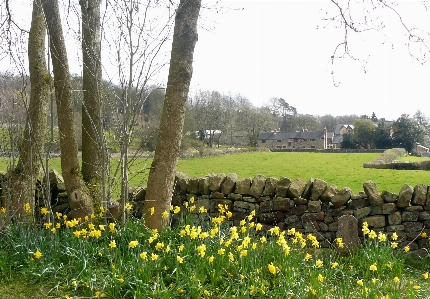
x: 339, y: 169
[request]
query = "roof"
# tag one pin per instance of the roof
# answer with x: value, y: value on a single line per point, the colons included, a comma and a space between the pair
x: 340, y: 126
x: 292, y: 135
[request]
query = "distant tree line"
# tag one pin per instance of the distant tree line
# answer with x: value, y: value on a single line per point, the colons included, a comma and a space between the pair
x: 208, y: 111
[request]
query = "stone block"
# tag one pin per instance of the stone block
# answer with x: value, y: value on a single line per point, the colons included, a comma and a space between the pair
x: 300, y: 201
x: 298, y: 210
x: 266, y: 206
x: 395, y: 218
x: 372, y: 193
x: 409, y: 216
x: 243, y: 186
x: 348, y: 231
x: 282, y: 186
x: 257, y: 185
x: 424, y: 216
x: 318, y: 188
x: 234, y: 196
x: 217, y: 195
x: 243, y: 206
x: 308, y: 189
x: 358, y: 203
x: 314, y: 206
x: 389, y: 197
x: 272, y: 217
x: 420, y: 195
x: 413, y: 226
x: 374, y: 221
x: 203, y: 186
x: 388, y: 208
x: 341, y: 198
x: 333, y: 226
x: 329, y: 193
x: 215, y: 181
x: 405, y: 196
x: 311, y: 227
x: 292, y: 219
x: 229, y: 183
x: 270, y: 187
x: 313, y: 216
x: 296, y: 188
x: 361, y: 213
x: 281, y: 204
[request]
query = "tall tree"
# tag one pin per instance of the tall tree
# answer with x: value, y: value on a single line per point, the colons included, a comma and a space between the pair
x: 28, y: 168
x: 92, y: 129
x: 163, y: 168
x: 80, y: 202
x: 407, y: 131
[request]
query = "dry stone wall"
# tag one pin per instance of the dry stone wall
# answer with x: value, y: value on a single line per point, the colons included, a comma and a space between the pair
x: 312, y: 206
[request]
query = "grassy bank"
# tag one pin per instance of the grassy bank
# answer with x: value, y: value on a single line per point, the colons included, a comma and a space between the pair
x: 86, y: 260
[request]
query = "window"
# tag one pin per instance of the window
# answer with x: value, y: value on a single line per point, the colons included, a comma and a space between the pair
x: 296, y: 140
x: 263, y: 141
x: 279, y: 140
x: 312, y: 146
x: 289, y: 143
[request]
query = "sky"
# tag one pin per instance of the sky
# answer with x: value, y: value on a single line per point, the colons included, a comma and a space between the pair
x: 263, y: 49
x: 281, y: 49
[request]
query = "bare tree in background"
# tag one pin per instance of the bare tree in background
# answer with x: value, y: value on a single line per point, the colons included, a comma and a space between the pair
x: 361, y: 17
x: 138, y: 31
x: 163, y: 168
x: 80, y: 201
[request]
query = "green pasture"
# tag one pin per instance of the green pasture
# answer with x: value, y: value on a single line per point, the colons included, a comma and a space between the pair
x: 343, y: 169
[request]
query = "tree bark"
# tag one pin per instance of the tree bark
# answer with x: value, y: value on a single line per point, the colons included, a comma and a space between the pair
x: 92, y: 138
x: 163, y: 168
x: 29, y: 164
x: 80, y: 205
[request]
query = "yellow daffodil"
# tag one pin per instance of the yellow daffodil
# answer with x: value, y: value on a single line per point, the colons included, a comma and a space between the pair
x: 165, y: 214
x: 373, y: 267
x: 318, y: 263
x: 320, y: 278
x: 112, y: 244
x: 396, y: 279
x: 152, y: 211
x: 144, y: 255
x: 272, y: 268
x: 334, y: 265
x: 37, y: 255
x: 360, y: 282
x: 133, y: 244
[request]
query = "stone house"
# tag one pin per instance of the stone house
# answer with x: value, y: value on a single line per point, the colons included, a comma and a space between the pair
x: 338, y: 134
x: 295, y: 140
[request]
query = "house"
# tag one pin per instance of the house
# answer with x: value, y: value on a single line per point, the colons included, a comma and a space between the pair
x: 338, y: 134
x: 295, y: 140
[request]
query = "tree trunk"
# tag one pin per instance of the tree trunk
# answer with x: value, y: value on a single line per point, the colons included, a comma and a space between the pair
x: 92, y: 138
x: 29, y: 165
x: 163, y: 168
x: 80, y: 205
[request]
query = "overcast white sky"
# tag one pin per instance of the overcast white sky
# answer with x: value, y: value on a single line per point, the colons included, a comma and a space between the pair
x: 274, y: 49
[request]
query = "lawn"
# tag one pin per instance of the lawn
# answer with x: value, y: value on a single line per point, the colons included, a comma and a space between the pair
x: 68, y: 259
x: 343, y: 170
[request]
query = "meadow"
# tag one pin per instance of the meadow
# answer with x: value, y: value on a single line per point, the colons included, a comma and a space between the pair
x: 343, y: 170
x: 69, y: 258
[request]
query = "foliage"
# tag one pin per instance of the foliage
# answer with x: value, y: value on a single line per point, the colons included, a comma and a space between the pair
x: 210, y: 260
x: 348, y: 141
x: 407, y: 131
x: 364, y: 133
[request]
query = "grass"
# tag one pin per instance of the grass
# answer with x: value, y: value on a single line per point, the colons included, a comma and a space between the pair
x: 343, y: 170
x: 85, y: 260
